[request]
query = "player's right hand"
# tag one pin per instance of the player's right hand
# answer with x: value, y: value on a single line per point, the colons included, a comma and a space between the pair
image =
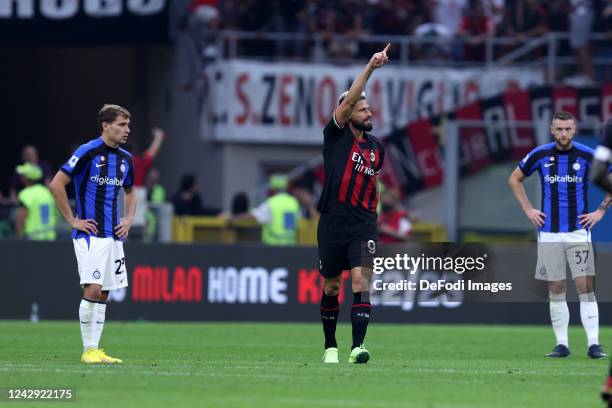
x: 536, y: 217
x: 380, y: 58
x: 90, y: 226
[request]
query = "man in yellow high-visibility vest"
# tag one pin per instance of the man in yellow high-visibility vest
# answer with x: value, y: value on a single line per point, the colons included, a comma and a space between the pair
x: 36, y: 215
x: 278, y: 215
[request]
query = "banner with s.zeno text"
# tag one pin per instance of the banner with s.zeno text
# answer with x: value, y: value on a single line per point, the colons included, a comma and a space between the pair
x: 251, y: 101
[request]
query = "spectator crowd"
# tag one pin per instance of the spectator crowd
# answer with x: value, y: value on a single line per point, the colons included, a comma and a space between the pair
x: 341, y: 23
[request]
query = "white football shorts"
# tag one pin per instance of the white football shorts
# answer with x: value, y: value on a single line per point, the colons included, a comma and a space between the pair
x: 556, y: 250
x: 101, y: 261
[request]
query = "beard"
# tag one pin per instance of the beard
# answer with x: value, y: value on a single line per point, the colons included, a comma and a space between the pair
x: 564, y: 144
x: 364, y: 127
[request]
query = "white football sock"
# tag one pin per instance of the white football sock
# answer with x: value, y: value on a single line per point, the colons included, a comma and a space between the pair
x: 87, y: 317
x: 559, y: 316
x: 100, y: 319
x: 589, y: 314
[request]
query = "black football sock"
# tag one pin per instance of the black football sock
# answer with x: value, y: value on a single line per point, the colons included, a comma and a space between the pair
x: 360, y: 317
x: 329, y: 317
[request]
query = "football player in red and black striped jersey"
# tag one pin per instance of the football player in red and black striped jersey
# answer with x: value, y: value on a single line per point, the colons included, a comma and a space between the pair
x: 352, y: 159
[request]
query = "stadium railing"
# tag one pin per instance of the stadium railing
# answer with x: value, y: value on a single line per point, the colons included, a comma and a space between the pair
x: 549, y: 51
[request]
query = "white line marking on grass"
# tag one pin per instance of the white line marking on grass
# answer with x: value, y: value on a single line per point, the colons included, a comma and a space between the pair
x: 90, y: 370
x: 273, y: 366
x: 96, y: 370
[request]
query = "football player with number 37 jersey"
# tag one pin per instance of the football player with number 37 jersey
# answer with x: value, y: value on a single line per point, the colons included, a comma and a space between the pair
x: 564, y: 226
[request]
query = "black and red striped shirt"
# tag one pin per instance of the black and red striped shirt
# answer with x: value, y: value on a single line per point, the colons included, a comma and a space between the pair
x: 351, y: 167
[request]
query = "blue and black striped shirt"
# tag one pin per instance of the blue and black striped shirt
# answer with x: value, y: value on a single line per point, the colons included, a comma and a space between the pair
x: 564, y: 175
x: 98, y: 172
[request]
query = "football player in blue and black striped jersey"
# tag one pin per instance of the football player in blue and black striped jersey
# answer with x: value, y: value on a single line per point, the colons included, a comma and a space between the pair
x: 564, y: 223
x: 99, y: 169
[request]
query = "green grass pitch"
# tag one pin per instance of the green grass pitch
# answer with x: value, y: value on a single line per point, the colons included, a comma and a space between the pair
x: 278, y: 365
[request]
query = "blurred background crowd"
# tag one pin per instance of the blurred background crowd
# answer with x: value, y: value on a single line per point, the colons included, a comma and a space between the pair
x: 445, y: 30
x: 440, y: 33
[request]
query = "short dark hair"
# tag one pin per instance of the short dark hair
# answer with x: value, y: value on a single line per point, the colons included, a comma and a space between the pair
x: 109, y: 113
x: 563, y: 115
x: 240, y: 203
x: 188, y: 181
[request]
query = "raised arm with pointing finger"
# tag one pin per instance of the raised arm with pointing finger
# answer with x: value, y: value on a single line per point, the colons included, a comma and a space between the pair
x: 343, y: 111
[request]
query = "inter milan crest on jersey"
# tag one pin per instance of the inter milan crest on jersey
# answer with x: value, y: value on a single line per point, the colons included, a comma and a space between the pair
x: 122, y: 168
x: 102, y: 159
x: 576, y: 166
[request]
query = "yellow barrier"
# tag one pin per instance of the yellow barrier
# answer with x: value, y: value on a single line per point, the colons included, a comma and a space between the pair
x: 472, y: 236
x: 428, y: 232
x: 219, y: 230
x: 214, y: 230
x: 307, y: 231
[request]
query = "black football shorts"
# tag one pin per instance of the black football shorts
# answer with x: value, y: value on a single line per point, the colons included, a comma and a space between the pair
x: 340, y: 243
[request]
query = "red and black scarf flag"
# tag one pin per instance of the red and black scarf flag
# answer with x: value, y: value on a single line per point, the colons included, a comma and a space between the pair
x: 415, y: 152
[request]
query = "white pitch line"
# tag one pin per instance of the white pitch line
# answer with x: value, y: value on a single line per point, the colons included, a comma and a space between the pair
x: 346, y: 368
x: 150, y: 373
x: 90, y: 370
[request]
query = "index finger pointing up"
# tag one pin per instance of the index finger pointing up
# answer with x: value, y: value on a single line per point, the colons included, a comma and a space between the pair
x: 386, y: 48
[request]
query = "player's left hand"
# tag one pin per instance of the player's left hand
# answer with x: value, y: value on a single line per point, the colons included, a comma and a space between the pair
x: 122, y: 229
x: 589, y: 220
